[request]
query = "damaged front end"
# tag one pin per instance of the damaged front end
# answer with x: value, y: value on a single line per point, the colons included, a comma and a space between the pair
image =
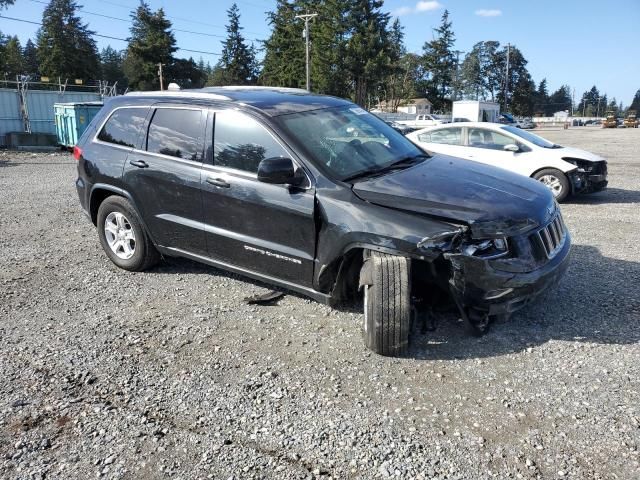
x: 495, y: 269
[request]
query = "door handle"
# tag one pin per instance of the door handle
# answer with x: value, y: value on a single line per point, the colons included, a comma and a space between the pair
x: 139, y: 163
x: 218, y: 182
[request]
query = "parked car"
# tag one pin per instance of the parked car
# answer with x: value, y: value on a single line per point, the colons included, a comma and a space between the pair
x: 400, y: 128
x: 564, y: 170
x: 421, y: 121
x: 315, y: 195
x: 526, y: 123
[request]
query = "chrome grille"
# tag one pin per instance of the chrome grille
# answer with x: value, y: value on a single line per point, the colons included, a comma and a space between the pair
x: 551, y: 237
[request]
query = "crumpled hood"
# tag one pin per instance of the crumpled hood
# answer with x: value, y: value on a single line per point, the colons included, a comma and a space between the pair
x: 570, y: 152
x: 492, y: 201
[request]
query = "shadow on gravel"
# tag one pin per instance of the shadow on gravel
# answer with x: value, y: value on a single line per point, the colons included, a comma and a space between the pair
x: 7, y: 163
x: 610, y: 195
x: 597, y: 301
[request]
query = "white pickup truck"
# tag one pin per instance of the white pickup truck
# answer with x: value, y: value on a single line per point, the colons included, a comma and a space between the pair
x: 421, y: 121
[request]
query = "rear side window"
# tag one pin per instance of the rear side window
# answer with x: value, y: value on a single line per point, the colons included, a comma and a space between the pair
x: 124, y: 127
x: 177, y: 133
x: 242, y: 143
x: 447, y: 136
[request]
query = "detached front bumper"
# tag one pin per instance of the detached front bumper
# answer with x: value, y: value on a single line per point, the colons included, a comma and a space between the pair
x: 477, y: 284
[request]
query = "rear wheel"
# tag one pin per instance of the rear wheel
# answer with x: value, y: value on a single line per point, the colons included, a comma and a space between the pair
x: 556, y: 181
x: 123, y: 237
x: 387, y: 303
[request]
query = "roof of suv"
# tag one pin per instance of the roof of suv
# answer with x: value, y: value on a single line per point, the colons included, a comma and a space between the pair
x: 272, y: 101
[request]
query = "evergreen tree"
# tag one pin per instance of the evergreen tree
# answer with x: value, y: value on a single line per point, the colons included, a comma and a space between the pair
x: 523, y: 96
x: 368, y: 49
x: 329, y: 36
x: 589, y: 103
x: 13, y: 61
x: 541, y: 104
x: 472, y: 72
x: 237, y: 64
x: 517, y: 78
x: 439, y: 64
x: 560, y: 100
x: 2, y: 55
x: 111, y: 67
x: 186, y: 73
x: 151, y: 42
x: 635, y: 103
x: 284, y: 59
x: 493, y: 69
x: 66, y: 48
x: 30, y: 56
x: 403, y: 70
x: 6, y: 3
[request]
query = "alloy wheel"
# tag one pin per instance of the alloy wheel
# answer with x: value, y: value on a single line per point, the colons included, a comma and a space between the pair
x: 120, y: 235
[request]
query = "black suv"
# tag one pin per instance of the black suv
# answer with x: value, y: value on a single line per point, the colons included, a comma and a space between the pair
x: 313, y: 194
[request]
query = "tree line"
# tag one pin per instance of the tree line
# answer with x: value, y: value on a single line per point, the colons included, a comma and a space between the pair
x: 357, y: 52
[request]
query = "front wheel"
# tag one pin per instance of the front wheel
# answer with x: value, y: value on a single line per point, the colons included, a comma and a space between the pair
x: 556, y: 181
x: 385, y: 280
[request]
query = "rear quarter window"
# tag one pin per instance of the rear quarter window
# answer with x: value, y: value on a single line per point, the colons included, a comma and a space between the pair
x: 124, y: 127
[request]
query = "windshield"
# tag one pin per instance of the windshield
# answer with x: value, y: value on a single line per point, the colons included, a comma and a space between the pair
x: 348, y: 140
x: 530, y: 137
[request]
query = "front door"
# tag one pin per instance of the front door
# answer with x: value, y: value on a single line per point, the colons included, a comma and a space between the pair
x: 487, y: 146
x: 259, y: 227
x: 164, y: 177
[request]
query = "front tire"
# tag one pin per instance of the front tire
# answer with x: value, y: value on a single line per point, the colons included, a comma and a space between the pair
x: 385, y: 280
x: 556, y: 181
x: 122, y: 236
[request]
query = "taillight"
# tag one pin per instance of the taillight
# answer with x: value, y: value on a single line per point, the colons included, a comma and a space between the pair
x: 77, y: 152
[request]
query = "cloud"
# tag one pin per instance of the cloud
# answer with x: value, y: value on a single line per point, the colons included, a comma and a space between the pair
x: 489, y: 13
x: 421, y: 6
x: 427, y: 6
x: 399, y: 12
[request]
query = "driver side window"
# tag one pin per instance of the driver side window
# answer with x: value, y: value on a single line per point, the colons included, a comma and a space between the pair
x: 240, y: 142
x: 481, y: 138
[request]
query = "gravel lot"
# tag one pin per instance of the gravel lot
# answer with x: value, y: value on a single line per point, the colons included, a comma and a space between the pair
x: 168, y: 374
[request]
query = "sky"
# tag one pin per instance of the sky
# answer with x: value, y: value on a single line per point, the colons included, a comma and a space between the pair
x: 576, y: 42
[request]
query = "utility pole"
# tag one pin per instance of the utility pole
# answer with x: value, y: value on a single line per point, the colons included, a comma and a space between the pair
x: 506, y: 80
x: 306, y: 17
x: 160, y: 65
x: 598, y: 109
x: 457, y: 77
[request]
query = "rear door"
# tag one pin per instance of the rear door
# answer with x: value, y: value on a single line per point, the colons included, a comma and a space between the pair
x: 163, y: 176
x: 264, y: 228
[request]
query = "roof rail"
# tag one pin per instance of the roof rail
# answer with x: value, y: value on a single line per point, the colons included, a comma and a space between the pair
x: 256, y: 87
x: 181, y: 93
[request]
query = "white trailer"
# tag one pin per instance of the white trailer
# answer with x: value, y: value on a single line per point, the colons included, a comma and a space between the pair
x: 475, y: 111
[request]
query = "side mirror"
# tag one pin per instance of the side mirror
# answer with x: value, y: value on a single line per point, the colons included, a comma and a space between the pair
x: 512, y: 147
x: 278, y: 170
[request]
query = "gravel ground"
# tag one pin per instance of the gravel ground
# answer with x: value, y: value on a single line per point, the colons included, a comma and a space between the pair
x: 168, y: 374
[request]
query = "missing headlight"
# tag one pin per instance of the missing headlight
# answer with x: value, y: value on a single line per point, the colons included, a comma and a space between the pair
x: 491, y: 248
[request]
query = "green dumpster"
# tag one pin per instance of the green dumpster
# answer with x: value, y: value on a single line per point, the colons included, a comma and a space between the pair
x: 72, y: 119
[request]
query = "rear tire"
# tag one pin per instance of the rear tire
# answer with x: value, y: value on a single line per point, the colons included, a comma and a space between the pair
x: 556, y: 181
x: 127, y: 245
x: 387, y: 303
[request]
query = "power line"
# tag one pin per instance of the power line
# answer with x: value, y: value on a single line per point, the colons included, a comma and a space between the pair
x: 108, y: 36
x: 128, y: 7
x: 126, y: 20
